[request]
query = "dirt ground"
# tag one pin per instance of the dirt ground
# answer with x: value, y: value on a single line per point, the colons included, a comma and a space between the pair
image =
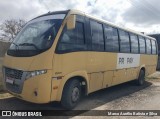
x: 125, y: 96
x: 145, y: 99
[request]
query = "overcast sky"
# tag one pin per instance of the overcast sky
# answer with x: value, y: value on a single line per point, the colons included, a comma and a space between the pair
x: 139, y: 15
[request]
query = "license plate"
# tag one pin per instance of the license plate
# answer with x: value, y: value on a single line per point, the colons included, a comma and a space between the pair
x: 9, y: 80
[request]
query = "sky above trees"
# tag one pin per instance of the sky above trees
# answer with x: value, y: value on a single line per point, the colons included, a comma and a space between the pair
x: 139, y: 15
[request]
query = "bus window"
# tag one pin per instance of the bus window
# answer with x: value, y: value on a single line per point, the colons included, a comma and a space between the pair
x: 111, y: 39
x: 154, y: 49
x: 148, y: 46
x: 134, y: 43
x: 72, y: 40
x: 124, y: 41
x: 142, y: 45
x: 97, y: 36
x: 36, y: 36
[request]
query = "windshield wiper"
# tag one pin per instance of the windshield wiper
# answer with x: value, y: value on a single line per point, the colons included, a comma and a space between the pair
x: 17, y: 46
x: 29, y: 44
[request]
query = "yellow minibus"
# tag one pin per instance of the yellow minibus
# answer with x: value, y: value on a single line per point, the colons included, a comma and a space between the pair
x: 64, y: 55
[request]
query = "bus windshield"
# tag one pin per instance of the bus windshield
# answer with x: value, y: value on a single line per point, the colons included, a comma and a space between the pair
x: 36, y: 36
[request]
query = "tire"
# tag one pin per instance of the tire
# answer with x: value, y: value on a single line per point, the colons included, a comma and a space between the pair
x: 141, y: 79
x: 71, y: 94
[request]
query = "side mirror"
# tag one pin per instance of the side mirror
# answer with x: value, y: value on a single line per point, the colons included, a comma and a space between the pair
x: 71, y: 22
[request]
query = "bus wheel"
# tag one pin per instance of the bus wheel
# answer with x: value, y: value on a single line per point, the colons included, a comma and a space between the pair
x: 71, y: 94
x: 141, y: 78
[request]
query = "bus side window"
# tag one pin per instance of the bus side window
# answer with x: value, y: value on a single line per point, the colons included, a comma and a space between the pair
x: 111, y: 39
x: 142, y: 45
x: 134, y: 43
x: 124, y: 41
x: 154, y: 49
x: 97, y: 36
x: 72, y: 40
x: 148, y: 44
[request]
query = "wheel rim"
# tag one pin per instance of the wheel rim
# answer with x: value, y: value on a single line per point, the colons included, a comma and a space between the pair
x: 75, y: 94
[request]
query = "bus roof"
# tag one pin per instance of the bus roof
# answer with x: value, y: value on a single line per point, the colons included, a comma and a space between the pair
x: 51, y: 13
x: 74, y: 11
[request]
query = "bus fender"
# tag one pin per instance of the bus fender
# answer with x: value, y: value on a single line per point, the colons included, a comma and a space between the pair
x: 82, y: 74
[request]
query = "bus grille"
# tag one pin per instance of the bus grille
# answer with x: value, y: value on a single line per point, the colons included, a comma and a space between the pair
x: 12, y: 73
x: 17, y: 76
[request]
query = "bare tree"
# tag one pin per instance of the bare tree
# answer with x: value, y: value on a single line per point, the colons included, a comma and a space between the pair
x: 10, y: 28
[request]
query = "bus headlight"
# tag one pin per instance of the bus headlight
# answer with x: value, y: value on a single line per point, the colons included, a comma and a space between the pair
x: 35, y: 73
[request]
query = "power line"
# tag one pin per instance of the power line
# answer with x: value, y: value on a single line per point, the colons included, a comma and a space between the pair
x: 148, y: 7
x: 152, y: 7
x: 135, y: 5
x: 144, y: 8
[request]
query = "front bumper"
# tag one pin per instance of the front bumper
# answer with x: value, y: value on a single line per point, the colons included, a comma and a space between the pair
x: 36, y: 89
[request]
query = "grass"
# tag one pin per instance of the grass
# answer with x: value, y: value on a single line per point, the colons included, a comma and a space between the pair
x: 151, y: 78
x: 5, y: 95
x: 154, y: 76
